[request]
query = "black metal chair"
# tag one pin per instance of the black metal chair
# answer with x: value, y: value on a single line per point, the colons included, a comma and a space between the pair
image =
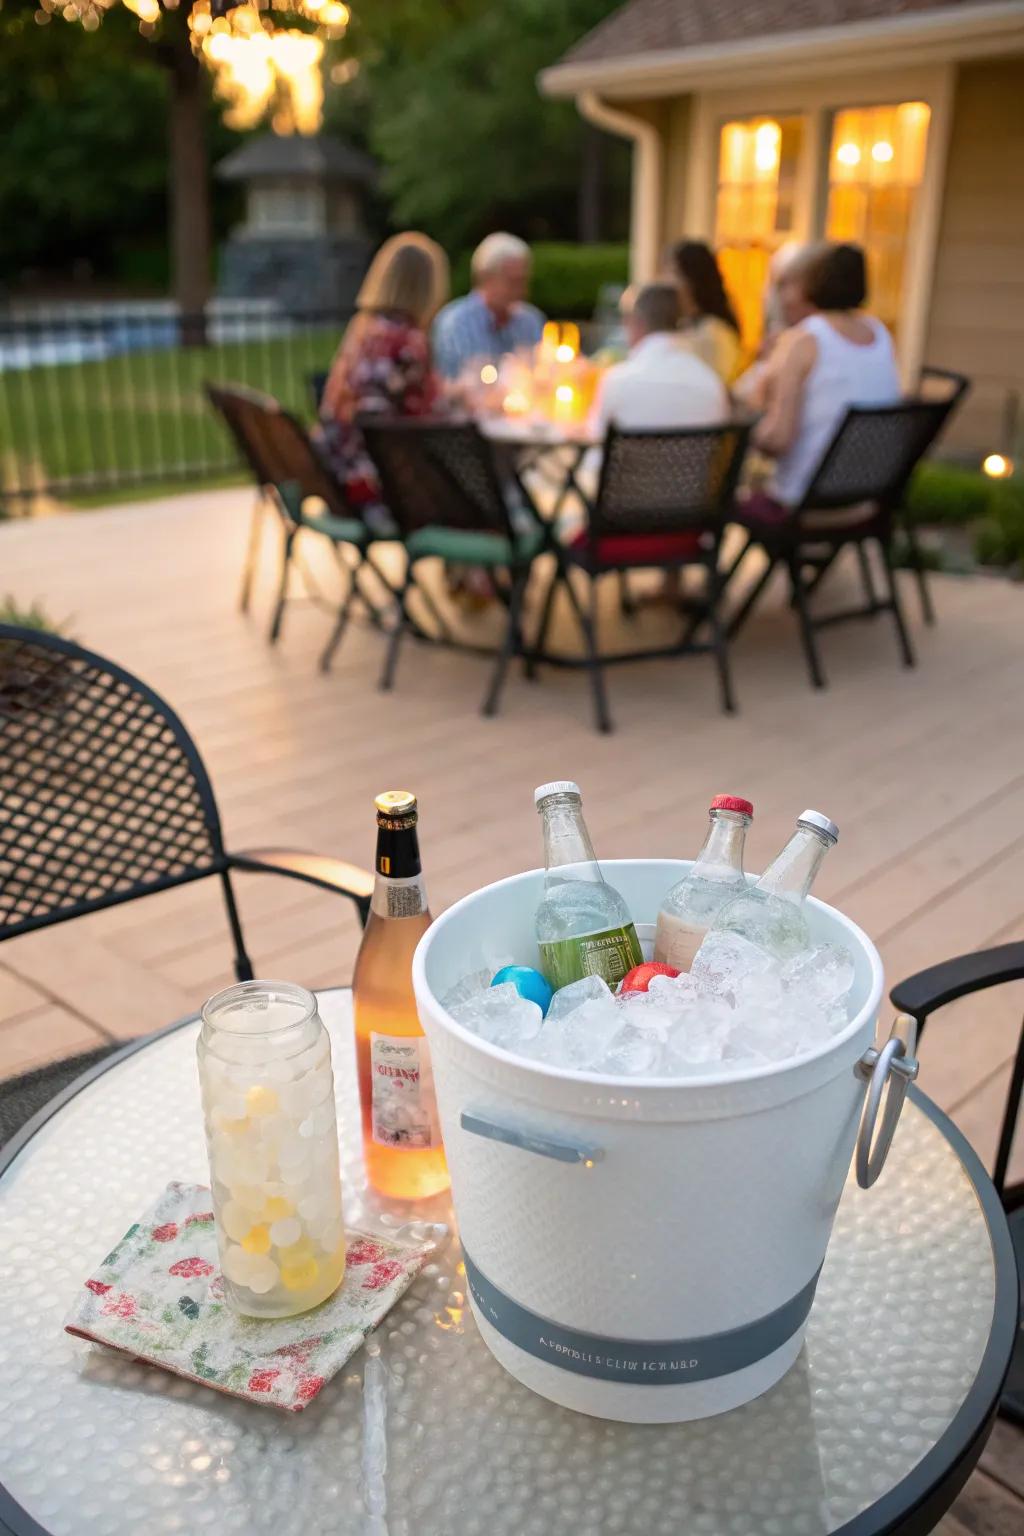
x: 921, y: 995
x: 662, y: 501
x: 106, y: 799
x: 852, y: 500
x: 441, y: 485
x: 289, y: 473
x: 945, y: 387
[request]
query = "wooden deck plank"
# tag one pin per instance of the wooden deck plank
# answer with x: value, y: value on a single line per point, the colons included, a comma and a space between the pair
x: 45, y: 1034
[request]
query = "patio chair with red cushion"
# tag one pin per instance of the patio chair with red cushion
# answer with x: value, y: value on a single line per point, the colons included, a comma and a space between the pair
x: 661, y: 503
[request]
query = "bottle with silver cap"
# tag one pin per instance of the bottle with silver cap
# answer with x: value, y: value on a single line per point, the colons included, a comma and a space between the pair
x: 770, y: 914
x: 716, y: 875
x: 583, y: 925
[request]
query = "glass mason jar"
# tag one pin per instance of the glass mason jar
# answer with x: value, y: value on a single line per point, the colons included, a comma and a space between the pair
x: 272, y: 1137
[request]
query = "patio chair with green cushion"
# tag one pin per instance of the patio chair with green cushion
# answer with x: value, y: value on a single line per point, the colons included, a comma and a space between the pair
x: 441, y: 485
x: 923, y: 994
x: 290, y: 474
x: 661, y: 503
x: 107, y: 800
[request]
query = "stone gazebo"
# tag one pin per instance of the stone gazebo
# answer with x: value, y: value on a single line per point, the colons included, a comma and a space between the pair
x: 304, y: 241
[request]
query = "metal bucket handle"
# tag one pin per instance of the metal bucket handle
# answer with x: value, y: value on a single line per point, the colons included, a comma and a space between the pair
x: 895, y: 1067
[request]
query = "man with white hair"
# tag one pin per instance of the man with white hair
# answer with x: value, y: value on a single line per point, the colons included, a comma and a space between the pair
x: 494, y: 318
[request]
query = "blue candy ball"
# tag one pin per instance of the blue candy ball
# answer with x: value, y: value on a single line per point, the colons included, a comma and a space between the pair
x: 528, y: 983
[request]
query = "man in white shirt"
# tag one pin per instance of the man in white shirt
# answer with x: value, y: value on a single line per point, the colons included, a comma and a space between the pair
x: 661, y: 385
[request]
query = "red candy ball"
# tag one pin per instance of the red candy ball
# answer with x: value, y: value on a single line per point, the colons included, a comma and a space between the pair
x: 641, y: 976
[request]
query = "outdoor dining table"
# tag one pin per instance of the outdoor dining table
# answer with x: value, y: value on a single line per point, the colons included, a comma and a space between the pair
x: 874, y: 1430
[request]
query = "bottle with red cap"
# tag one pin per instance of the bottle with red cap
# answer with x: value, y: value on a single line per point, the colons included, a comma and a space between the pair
x: 716, y: 877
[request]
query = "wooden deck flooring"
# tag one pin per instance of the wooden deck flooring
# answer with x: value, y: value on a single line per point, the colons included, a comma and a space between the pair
x: 923, y: 771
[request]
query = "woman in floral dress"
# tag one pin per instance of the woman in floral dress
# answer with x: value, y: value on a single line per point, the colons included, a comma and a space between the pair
x: 383, y: 363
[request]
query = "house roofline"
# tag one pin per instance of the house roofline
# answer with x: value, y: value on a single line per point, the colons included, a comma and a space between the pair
x: 927, y: 37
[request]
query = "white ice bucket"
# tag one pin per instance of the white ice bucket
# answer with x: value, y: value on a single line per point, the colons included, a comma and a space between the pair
x: 639, y: 1249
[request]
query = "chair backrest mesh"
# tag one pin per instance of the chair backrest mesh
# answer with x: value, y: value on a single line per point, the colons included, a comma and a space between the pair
x: 668, y: 482
x: 276, y: 446
x: 439, y: 475
x: 103, y: 796
x: 871, y: 456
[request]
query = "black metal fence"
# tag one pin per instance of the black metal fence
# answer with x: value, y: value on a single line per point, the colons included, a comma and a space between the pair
x: 102, y: 398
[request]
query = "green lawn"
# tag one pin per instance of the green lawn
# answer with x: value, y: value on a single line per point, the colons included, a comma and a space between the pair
x: 142, y: 417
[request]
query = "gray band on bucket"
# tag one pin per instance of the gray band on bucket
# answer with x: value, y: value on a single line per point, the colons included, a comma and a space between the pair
x: 636, y: 1362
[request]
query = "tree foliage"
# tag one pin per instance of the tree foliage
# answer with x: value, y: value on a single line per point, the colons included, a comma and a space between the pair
x: 83, y: 123
x: 465, y: 139
x: 446, y: 97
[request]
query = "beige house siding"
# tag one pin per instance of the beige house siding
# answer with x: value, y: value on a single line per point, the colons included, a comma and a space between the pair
x: 976, y: 324
x: 677, y: 151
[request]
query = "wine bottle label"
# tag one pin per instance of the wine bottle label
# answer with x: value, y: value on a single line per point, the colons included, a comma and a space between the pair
x: 399, y: 897
x: 403, y: 1107
x: 609, y: 955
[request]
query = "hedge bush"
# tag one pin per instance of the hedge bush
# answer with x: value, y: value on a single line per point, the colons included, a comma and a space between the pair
x: 948, y: 495
x: 567, y: 279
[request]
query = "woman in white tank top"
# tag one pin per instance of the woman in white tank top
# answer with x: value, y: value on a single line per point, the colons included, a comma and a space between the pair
x: 834, y: 359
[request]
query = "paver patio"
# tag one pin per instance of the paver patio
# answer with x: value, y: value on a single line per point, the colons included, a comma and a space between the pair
x: 923, y: 770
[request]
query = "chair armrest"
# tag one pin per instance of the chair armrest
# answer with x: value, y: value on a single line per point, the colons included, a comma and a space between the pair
x: 314, y: 868
x: 922, y: 993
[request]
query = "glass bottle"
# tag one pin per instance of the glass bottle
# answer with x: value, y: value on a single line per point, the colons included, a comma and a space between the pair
x: 770, y: 915
x: 583, y: 925
x: 691, y: 905
x: 272, y: 1137
x: 401, y: 1132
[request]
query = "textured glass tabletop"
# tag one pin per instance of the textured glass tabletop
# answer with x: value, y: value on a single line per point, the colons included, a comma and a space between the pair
x: 438, y: 1439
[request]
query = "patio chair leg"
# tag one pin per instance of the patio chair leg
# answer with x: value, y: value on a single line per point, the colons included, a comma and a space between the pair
x: 511, y: 645
x: 920, y: 574
x: 728, y: 574
x: 806, y: 624
x: 530, y: 662
x: 588, y: 624
x: 340, y: 623
x: 387, y: 676
x: 866, y: 577
x: 252, y: 549
x: 820, y: 574
x: 739, y: 618
x: 906, y: 649
x: 719, y: 642
x: 627, y: 602
x: 444, y: 630
x: 282, y: 591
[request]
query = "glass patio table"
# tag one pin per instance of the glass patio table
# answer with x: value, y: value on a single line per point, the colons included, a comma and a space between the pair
x: 874, y: 1430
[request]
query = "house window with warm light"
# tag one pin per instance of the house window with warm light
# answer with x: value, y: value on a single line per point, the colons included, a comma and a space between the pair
x: 876, y: 162
x: 754, y: 213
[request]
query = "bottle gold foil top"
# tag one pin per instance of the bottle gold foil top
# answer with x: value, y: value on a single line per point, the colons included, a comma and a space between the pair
x: 395, y: 802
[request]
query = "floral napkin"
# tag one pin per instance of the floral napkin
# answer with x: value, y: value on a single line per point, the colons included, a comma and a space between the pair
x: 160, y: 1297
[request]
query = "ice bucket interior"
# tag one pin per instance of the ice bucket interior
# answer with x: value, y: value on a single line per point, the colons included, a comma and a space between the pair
x: 494, y: 926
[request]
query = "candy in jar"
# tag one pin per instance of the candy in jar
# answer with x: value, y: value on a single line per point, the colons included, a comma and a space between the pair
x: 272, y: 1137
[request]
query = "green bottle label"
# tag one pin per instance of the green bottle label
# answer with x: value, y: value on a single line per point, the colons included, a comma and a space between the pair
x: 609, y: 955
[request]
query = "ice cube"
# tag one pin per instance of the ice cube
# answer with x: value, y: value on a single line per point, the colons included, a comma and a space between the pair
x: 823, y: 974
x: 466, y: 989
x: 500, y: 1016
x: 578, y: 1039
x: 724, y: 959
x: 632, y: 1053
x: 589, y: 989
x: 697, y: 1041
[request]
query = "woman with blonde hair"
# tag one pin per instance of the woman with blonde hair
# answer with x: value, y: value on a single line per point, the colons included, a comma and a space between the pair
x: 383, y: 363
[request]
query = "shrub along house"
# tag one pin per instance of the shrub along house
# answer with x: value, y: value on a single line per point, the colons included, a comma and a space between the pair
x: 895, y: 123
